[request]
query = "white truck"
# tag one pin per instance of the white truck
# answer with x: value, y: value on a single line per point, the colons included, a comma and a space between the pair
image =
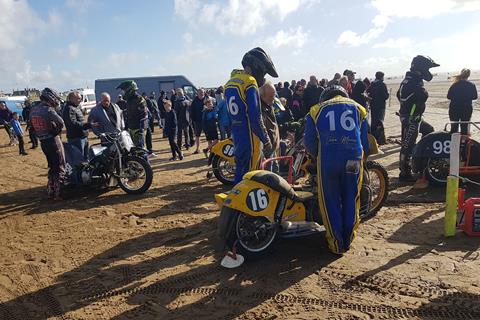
x: 88, y: 100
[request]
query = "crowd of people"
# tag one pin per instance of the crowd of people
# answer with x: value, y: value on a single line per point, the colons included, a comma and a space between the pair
x: 254, y: 112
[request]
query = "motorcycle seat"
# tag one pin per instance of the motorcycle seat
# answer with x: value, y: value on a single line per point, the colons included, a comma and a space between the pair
x: 273, y: 181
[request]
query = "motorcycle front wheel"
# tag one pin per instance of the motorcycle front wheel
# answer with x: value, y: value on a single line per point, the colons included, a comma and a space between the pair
x: 252, y: 236
x: 223, y: 170
x: 136, y: 175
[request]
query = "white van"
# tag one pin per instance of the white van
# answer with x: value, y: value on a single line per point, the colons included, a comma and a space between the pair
x: 88, y: 100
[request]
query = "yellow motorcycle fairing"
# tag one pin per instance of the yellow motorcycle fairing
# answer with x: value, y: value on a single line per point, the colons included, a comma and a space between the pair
x: 224, y: 149
x: 259, y: 200
x: 373, y: 146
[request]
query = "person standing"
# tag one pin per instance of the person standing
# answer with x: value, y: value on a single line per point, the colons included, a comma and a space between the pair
x: 26, y: 117
x: 243, y: 101
x: 5, y: 117
x: 267, y: 96
x: 18, y: 132
x: 351, y: 78
x: 413, y: 97
x: 181, y: 106
x: 48, y: 125
x: 224, y: 123
x: 336, y: 135
x: 378, y: 94
x: 312, y: 93
x: 137, y: 117
x: 461, y: 94
x: 171, y: 130
x: 76, y: 126
x: 196, y: 115
x: 209, y: 124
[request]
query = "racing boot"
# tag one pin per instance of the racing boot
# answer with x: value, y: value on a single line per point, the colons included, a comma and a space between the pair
x: 405, y: 170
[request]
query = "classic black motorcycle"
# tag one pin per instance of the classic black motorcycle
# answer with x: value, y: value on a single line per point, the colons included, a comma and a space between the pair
x: 114, y: 162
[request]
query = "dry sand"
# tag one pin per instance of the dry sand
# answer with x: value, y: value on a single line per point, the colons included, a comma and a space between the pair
x: 108, y: 255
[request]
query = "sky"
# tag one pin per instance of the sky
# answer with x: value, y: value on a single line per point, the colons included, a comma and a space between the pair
x: 68, y: 44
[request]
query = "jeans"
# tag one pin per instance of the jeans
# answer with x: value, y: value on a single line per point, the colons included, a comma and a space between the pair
x: 81, y: 144
x: 225, y: 132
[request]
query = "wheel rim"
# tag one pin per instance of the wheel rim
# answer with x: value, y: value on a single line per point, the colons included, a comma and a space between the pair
x: 255, y: 234
x: 438, y: 169
x: 133, y: 175
x: 378, y: 187
x: 227, y: 170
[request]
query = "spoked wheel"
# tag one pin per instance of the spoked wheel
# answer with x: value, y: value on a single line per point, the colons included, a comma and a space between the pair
x: 378, y: 178
x: 136, y: 175
x: 223, y: 170
x: 253, y: 236
x: 437, y: 170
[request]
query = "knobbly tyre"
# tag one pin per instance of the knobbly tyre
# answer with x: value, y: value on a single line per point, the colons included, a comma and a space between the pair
x: 264, y: 207
x: 431, y: 156
x: 114, y: 162
x: 222, y: 160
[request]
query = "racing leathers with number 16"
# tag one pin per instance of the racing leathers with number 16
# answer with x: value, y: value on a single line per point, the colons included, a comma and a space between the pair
x: 336, y: 135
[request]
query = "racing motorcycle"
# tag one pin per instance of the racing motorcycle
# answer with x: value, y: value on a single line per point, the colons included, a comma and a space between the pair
x: 264, y: 207
x: 114, y: 162
x: 431, y: 155
x: 222, y: 157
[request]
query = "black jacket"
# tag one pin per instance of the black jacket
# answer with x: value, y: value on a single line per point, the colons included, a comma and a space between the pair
x: 286, y: 93
x: 75, y: 124
x: 378, y: 94
x: 181, y: 106
x: 358, y: 93
x: 461, y: 94
x: 196, y: 109
x: 170, y: 124
x: 412, y: 95
x: 311, y: 96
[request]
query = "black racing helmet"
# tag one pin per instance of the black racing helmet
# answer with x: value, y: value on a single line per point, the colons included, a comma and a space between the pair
x: 331, y: 92
x: 422, y: 64
x: 50, y: 96
x: 260, y: 64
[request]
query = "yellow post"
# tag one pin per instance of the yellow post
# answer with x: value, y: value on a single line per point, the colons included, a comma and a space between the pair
x: 450, y: 223
x: 451, y: 197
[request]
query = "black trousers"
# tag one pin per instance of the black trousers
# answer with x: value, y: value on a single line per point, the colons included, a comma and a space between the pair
x: 21, y: 144
x: 183, y: 129
x: 33, y: 137
x: 174, y: 147
x: 460, y: 114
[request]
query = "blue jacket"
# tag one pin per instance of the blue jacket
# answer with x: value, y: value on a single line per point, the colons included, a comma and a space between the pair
x: 17, y: 128
x: 222, y: 112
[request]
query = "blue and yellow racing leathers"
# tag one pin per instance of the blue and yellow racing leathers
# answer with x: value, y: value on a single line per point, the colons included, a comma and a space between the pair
x: 248, y: 131
x: 336, y: 132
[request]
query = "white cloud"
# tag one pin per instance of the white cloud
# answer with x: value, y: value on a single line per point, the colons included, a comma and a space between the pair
x: 389, y: 10
x: 395, y: 43
x: 293, y: 38
x: 74, y: 49
x: 237, y: 17
x: 28, y: 76
x: 187, y: 37
x: 118, y: 60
